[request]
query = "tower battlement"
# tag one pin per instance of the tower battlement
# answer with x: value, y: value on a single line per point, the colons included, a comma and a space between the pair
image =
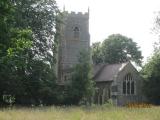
x: 77, y: 14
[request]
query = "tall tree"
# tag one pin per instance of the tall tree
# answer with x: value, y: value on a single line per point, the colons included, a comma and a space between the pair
x: 151, y: 74
x: 97, y: 56
x: 13, y: 45
x: 151, y: 70
x: 28, y: 50
x: 118, y: 48
x: 82, y: 84
x: 40, y: 17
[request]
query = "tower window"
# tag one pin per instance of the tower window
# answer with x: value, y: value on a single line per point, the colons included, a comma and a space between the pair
x: 76, y: 32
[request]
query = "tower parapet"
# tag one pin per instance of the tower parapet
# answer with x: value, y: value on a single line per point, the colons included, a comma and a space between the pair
x: 77, y: 14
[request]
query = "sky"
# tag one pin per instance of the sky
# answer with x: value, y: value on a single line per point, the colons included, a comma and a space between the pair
x: 131, y: 18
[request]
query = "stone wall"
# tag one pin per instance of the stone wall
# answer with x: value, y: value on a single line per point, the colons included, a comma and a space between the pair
x: 123, y: 99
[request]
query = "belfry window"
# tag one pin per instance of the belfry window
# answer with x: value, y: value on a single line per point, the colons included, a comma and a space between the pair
x: 128, y: 85
x: 76, y: 32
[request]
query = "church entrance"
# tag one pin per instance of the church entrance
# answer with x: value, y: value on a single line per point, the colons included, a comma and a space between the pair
x: 102, y: 95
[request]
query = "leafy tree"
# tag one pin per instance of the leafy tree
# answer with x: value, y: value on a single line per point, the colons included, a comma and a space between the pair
x: 13, y: 61
x: 151, y: 70
x: 151, y: 74
x: 13, y: 42
x: 82, y: 84
x: 28, y: 50
x: 116, y: 49
x: 97, y: 56
x: 40, y: 17
x: 39, y: 84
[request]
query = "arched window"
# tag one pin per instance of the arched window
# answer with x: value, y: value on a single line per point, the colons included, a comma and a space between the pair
x: 132, y: 87
x: 128, y: 85
x: 76, y: 32
x: 124, y: 87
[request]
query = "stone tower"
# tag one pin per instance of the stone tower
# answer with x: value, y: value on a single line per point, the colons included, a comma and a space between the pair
x: 74, y: 37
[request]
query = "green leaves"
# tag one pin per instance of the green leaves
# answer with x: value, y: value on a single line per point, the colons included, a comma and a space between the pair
x: 97, y: 55
x: 21, y: 41
x: 151, y: 74
x: 82, y: 83
x: 116, y: 49
x: 28, y: 50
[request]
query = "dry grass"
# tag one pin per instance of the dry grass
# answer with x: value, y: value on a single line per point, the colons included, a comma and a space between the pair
x: 80, y: 113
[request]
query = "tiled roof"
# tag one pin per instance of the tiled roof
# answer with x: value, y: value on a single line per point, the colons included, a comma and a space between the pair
x: 107, y: 72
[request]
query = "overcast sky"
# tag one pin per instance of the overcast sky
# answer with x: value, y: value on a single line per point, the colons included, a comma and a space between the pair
x: 132, y: 18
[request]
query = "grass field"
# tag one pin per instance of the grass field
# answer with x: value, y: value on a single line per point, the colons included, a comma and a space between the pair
x: 80, y: 113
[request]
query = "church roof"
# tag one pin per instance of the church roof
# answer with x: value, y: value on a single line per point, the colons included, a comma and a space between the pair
x: 107, y: 72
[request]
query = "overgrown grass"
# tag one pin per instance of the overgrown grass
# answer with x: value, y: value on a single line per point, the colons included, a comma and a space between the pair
x: 80, y: 113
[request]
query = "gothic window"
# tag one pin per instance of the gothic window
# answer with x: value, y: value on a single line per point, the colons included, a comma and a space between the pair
x: 132, y: 87
x: 124, y: 87
x: 76, y: 32
x: 128, y: 85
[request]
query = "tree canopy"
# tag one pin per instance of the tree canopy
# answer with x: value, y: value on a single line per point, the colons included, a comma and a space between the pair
x: 116, y: 49
x: 151, y: 70
x: 151, y: 74
x: 28, y: 51
x: 97, y: 55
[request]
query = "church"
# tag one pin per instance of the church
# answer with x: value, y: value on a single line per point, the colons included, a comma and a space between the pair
x: 119, y: 82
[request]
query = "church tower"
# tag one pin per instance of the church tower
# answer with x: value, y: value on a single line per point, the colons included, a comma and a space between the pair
x: 74, y: 37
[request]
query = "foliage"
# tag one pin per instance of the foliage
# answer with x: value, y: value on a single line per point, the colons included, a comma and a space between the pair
x: 109, y: 103
x: 97, y: 55
x: 6, y: 18
x: 40, y: 17
x: 13, y: 44
x: 82, y: 85
x: 151, y: 73
x: 28, y: 51
x: 116, y: 49
x: 151, y: 70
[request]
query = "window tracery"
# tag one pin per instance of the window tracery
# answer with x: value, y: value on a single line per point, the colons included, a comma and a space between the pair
x: 128, y: 85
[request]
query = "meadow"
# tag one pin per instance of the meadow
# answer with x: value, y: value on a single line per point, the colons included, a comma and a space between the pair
x: 80, y: 113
